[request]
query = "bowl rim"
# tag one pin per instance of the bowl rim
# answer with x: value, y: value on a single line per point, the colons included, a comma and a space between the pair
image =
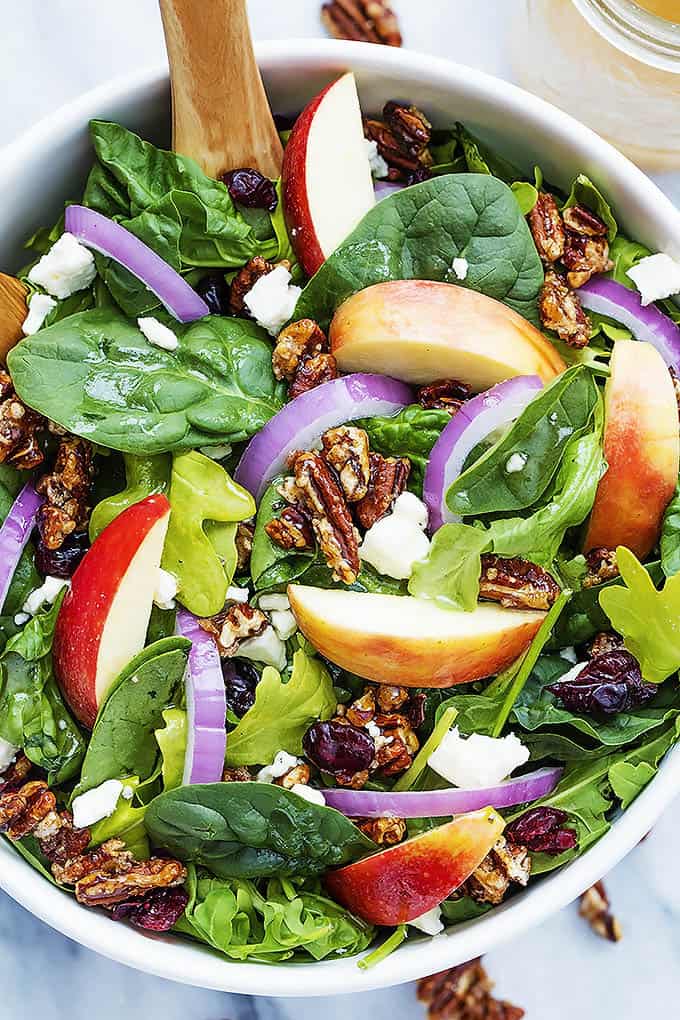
x: 196, y: 965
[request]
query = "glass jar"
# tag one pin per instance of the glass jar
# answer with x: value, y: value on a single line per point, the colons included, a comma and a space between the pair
x: 612, y: 64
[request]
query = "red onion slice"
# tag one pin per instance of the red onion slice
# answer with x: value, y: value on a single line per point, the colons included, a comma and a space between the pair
x: 299, y: 424
x: 439, y: 803
x: 646, y: 322
x: 15, y: 534
x: 477, y: 418
x: 383, y: 189
x: 206, y: 705
x: 111, y: 239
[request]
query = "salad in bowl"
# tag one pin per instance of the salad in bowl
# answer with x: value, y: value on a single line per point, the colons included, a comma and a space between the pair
x: 340, y: 541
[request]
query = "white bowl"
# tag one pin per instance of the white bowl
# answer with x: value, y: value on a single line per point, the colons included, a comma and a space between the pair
x: 49, y: 164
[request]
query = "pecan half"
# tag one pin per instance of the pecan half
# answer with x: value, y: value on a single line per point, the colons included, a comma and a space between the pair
x: 383, y: 831
x: 245, y: 280
x: 111, y: 857
x: 371, y: 21
x: 102, y: 889
x: 594, y: 907
x: 547, y: 228
x: 517, y: 583
x: 464, y: 993
x: 345, y: 449
x: 64, y: 844
x: 391, y: 698
x: 446, y: 394
x: 389, y: 476
x: 299, y: 340
x: 237, y: 775
x: 411, y: 128
x: 331, y: 520
x: 233, y: 626
x: 506, y: 863
x: 298, y: 775
x: 560, y: 310
x: 244, y: 544
x: 311, y: 372
x: 292, y: 529
x: 67, y: 493
x: 601, y: 566
x: 19, y: 429
x: 584, y: 256
x: 15, y: 774
x: 22, y: 810
x: 605, y: 641
x: 581, y: 220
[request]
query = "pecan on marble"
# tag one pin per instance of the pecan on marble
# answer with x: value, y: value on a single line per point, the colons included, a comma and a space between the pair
x: 389, y: 476
x: 507, y: 863
x: 233, y: 626
x: 311, y: 372
x: 67, y: 490
x: 371, y: 21
x: 345, y: 449
x: 595, y: 908
x: 547, y: 228
x: 299, y: 340
x: 445, y: 394
x: 560, y: 310
x: 464, y: 993
x: 331, y: 520
x: 600, y: 567
x: 516, y: 583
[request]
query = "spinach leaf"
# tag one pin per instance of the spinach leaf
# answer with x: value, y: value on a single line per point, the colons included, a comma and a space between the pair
x: 97, y: 376
x: 535, y: 443
x: 123, y: 742
x: 411, y: 433
x: 282, y: 712
x: 584, y: 192
x: 449, y: 575
x: 32, y: 712
x: 143, y: 476
x: 670, y: 536
x: 463, y: 909
x: 416, y: 233
x: 481, y: 159
x: 252, y: 830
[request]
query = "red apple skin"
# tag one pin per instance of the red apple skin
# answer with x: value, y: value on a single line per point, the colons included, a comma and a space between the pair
x: 405, y: 881
x: 642, y: 450
x: 83, y: 614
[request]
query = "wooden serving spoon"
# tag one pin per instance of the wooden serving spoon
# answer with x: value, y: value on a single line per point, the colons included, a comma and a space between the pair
x: 220, y: 113
x: 13, y: 311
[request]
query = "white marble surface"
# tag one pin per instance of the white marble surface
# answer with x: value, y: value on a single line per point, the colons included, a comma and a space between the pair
x: 51, y: 50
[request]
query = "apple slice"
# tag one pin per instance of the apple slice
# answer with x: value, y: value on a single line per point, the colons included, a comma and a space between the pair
x: 104, y: 617
x: 326, y: 179
x: 395, y: 639
x: 642, y: 450
x: 405, y: 881
x: 420, y: 331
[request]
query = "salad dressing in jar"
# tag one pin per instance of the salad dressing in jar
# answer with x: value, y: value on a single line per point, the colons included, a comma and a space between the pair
x: 613, y: 64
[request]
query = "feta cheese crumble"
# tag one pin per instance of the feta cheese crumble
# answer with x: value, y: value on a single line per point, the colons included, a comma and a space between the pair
x: 46, y: 593
x: 397, y: 541
x: 39, y: 308
x: 309, y: 793
x: 96, y: 804
x: 66, y: 268
x: 158, y: 334
x: 21, y: 618
x: 8, y: 753
x: 266, y: 647
x: 166, y: 589
x: 569, y: 653
x: 515, y: 463
x: 272, y: 300
x: 277, y: 602
x: 460, y: 268
x: 656, y: 277
x: 282, y: 764
x: 379, y: 167
x: 235, y: 594
x: 430, y: 922
x: 477, y: 761
x: 284, y: 623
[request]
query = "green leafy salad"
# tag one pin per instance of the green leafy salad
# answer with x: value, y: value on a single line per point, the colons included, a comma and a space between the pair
x: 340, y: 541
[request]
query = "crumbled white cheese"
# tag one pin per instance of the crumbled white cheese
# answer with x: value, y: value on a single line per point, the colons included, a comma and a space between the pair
x: 166, y: 589
x: 267, y: 648
x: 397, y: 541
x: 573, y: 673
x: 460, y: 268
x: 66, y: 268
x: 157, y: 333
x: 128, y: 792
x: 430, y: 922
x: 515, y: 463
x: 235, y: 594
x: 282, y: 764
x: 46, y: 593
x: 373, y: 730
x: 656, y: 277
x: 379, y: 167
x: 569, y: 653
x: 309, y: 793
x: 96, y: 804
x: 277, y: 602
x: 39, y: 308
x: 216, y: 452
x: 21, y: 618
x: 284, y: 623
x: 8, y: 753
x: 477, y: 761
x: 272, y: 300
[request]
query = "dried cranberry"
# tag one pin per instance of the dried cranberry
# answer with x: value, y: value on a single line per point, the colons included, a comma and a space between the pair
x: 338, y: 748
x: 414, y: 710
x: 608, y: 684
x: 418, y: 176
x: 542, y: 830
x: 250, y: 188
x: 61, y: 562
x: 240, y: 680
x: 159, y: 910
x: 216, y: 293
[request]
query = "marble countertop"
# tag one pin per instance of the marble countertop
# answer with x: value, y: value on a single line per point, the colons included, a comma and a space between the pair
x: 51, y: 52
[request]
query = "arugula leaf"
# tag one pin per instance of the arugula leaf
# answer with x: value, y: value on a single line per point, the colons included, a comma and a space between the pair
x: 282, y: 712
x: 526, y: 195
x: 449, y: 575
x: 629, y: 777
x: 126, y: 823
x: 143, y: 476
x: 97, y: 376
x: 625, y: 254
x: 481, y: 159
x: 416, y: 233
x: 252, y: 830
x: 411, y: 433
x: 122, y: 742
x: 670, y: 536
x: 33, y: 715
x: 584, y: 192
x: 538, y: 438
x: 646, y: 618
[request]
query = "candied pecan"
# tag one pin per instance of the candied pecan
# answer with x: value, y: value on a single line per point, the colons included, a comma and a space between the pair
x: 389, y: 476
x: 446, y: 394
x: 65, y: 843
x: 244, y: 545
x: 516, y: 583
x: 346, y: 450
x: 299, y: 340
x: 102, y: 889
x: 291, y: 530
x: 395, y: 724
x: 21, y: 810
x: 238, y: 775
x: 391, y: 698
x: 547, y: 228
x: 355, y: 781
x: 19, y: 429
x: 331, y: 519
x: 362, y: 710
x: 464, y: 993
x: 298, y: 775
x: 311, y: 372
x: 601, y: 567
x: 235, y: 625
x: 581, y: 220
x: 110, y: 857
x: 414, y: 710
x: 383, y: 831
x: 67, y: 493
x: 594, y: 907
x: 392, y: 756
x: 605, y: 641
x: 15, y: 774
x: 560, y: 310
x: 506, y: 863
x: 245, y: 280
x: 410, y: 127
x: 371, y: 21
x: 584, y: 256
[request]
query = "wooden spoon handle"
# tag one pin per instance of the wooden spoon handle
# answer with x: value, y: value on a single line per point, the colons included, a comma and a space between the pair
x: 13, y: 311
x: 221, y: 116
